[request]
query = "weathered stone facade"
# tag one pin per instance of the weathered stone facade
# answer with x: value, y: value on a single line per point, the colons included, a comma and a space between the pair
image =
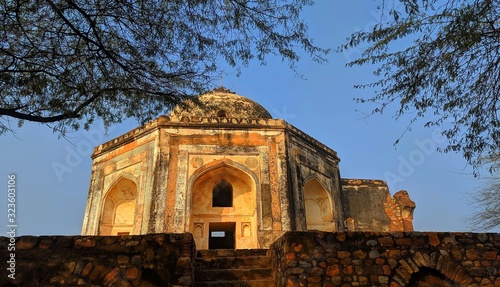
x: 224, y: 165
x: 385, y: 212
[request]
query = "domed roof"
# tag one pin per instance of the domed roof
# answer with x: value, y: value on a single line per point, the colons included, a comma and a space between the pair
x: 221, y: 102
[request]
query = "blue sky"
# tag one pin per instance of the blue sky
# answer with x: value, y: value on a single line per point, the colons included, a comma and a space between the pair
x: 53, y: 174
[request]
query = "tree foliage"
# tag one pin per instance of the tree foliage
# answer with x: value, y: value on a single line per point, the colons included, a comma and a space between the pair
x: 486, y: 202
x: 69, y: 62
x: 439, y: 60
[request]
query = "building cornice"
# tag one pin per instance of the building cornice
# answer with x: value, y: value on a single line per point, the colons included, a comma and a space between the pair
x: 215, y: 123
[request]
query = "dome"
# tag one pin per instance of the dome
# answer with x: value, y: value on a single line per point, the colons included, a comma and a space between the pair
x: 222, y: 102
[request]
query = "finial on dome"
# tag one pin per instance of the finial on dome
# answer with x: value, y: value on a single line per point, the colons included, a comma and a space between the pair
x: 221, y: 89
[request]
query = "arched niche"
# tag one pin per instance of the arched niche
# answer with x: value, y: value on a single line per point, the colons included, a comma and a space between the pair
x: 227, y: 181
x: 118, y: 212
x: 222, y: 196
x: 318, y: 207
x: 198, y: 231
x: 221, y: 114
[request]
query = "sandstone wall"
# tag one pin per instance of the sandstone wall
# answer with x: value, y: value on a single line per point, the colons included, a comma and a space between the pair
x: 147, y: 260
x: 129, y: 159
x: 311, y: 163
x: 369, y: 206
x: 386, y: 259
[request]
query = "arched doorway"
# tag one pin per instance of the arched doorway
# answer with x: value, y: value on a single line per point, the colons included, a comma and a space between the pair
x: 223, y: 208
x: 318, y: 206
x: 428, y: 277
x: 118, y: 212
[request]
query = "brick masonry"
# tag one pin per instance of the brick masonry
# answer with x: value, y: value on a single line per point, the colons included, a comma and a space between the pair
x: 385, y: 259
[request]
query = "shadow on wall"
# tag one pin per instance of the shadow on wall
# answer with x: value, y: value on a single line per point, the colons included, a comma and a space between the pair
x: 427, y: 277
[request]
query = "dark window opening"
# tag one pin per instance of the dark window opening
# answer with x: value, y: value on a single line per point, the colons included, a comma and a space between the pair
x: 221, y: 235
x: 123, y: 233
x: 221, y: 114
x: 222, y: 195
x: 151, y: 277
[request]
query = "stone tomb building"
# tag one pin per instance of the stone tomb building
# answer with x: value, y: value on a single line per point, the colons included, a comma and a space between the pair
x: 227, y: 172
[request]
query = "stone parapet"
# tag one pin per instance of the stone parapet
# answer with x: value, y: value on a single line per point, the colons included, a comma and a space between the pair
x: 386, y: 259
x: 146, y: 260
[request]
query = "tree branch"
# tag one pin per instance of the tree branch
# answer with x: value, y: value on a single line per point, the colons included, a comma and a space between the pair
x: 41, y: 119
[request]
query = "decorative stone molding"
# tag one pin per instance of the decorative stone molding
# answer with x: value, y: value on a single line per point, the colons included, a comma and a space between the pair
x: 166, y: 122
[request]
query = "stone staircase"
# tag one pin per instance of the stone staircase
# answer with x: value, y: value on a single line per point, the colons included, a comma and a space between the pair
x: 228, y: 268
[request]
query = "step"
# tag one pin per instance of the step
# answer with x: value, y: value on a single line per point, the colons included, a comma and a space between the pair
x: 229, y: 267
x: 249, y: 262
x: 232, y: 274
x: 240, y: 283
x: 231, y: 253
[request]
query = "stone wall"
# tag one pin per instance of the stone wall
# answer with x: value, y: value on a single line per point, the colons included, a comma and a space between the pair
x: 314, y: 259
x: 386, y: 259
x: 146, y: 260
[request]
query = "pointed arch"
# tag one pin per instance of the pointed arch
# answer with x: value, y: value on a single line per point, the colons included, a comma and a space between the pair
x: 225, y: 178
x: 429, y: 277
x: 217, y: 164
x: 219, y: 167
x: 119, y: 208
x: 318, y: 205
x: 422, y: 268
x: 220, y: 192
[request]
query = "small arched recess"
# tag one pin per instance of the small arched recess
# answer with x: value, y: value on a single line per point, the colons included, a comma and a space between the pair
x: 118, y: 212
x: 318, y: 206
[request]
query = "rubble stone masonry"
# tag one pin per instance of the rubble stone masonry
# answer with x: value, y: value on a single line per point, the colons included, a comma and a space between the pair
x: 386, y: 259
x: 298, y: 259
x: 146, y: 260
